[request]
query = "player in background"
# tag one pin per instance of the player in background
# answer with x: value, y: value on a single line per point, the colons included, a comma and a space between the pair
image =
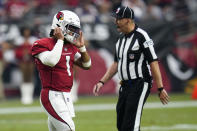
x: 55, y: 58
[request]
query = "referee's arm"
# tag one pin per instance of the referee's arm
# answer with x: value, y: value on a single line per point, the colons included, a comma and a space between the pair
x: 163, y: 95
x: 107, y: 76
x: 156, y: 73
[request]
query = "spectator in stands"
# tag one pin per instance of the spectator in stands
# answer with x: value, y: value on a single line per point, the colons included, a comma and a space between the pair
x: 2, y: 11
x: 16, y: 9
x: 72, y: 3
x: 87, y: 12
x: 11, y: 75
x: 104, y: 10
x: 182, y: 14
x: 26, y: 66
x: 43, y: 7
x: 138, y: 6
x: 154, y: 12
x: 58, y: 5
x: 167, y: 10
x: 192, y: 5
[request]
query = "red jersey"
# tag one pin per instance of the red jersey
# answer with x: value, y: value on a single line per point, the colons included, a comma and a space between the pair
x: 59, y: 77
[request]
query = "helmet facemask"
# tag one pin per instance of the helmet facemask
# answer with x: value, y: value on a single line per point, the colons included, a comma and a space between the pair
x: 71, y: 33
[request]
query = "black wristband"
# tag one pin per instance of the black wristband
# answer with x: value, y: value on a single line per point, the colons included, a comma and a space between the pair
x: 160, y: 89
x: 102, y: 82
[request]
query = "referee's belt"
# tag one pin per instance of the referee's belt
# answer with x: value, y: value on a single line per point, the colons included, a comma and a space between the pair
x: 126, y: 83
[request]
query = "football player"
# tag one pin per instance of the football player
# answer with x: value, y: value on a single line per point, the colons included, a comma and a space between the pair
x: 54, y: 58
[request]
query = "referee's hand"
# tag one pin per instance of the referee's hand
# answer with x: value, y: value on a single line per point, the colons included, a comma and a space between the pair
x: 164, y: 98
x: 97, y: 88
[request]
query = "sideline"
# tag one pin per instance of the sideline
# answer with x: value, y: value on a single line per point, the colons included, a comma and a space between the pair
x: 98, y: 107
x: 177, y: 127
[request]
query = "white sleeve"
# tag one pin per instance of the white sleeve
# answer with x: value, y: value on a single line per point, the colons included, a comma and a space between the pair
x: 51, y: 58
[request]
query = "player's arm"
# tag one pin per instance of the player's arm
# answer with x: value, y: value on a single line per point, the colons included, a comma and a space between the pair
x: 84, y: 61
x: 108, y: 75
x: 51, y: 58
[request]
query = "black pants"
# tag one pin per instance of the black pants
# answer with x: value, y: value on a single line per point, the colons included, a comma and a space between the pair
x: 132, y: 96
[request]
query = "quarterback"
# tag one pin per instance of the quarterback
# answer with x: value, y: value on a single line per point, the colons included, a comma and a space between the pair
x: 54, y: 58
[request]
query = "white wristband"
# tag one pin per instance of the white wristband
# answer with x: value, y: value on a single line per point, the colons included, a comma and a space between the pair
x: 87, y: 64
x: 82, y: 49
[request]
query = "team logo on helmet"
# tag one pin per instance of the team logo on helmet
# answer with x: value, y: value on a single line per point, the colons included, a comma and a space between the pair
x: 60, y: 16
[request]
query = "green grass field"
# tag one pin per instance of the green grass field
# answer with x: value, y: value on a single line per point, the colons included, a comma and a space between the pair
x: 183, y: 118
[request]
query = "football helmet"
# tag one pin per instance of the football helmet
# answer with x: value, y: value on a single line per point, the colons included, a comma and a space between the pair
x: 69, y: 22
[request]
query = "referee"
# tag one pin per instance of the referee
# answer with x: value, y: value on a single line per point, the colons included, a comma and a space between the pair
x: 136, y: 62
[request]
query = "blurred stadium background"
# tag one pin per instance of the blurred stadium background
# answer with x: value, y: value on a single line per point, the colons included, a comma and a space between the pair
x: 172, y: 24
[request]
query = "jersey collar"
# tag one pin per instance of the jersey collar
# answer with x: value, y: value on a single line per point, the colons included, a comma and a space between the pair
x: 129, y: 34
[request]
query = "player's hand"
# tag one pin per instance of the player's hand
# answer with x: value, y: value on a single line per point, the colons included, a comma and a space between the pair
x: 97, y: 88
x: 80, y: 41
x: 164, y: 98
x: 58, y: 33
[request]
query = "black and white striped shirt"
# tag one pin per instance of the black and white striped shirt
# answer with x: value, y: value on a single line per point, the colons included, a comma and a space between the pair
x: 134, y: 52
